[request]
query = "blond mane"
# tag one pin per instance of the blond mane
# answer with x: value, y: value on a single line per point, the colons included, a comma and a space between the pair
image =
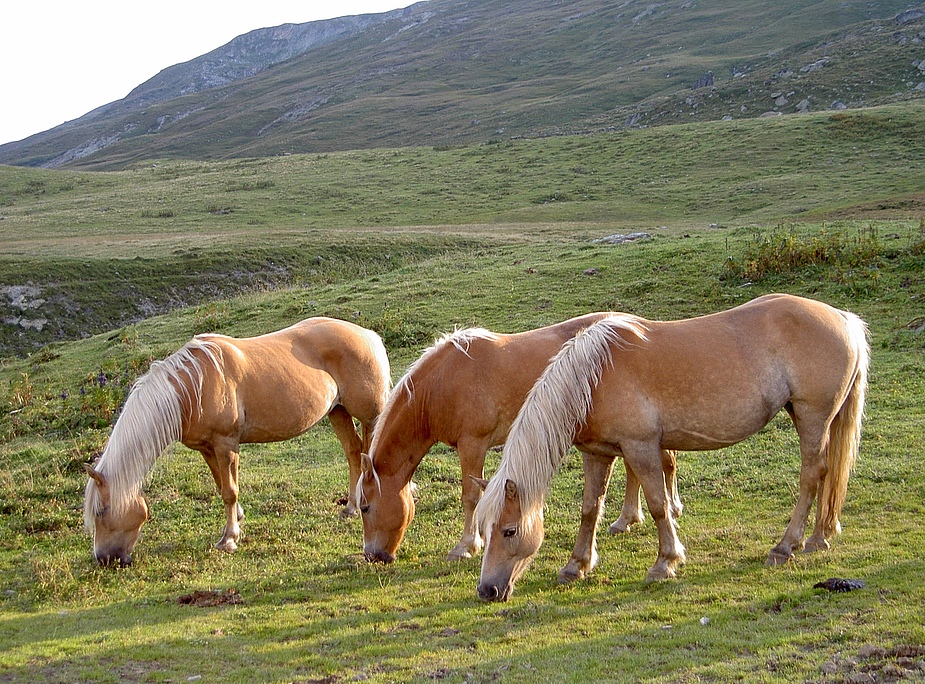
x: 404, y: 389
x: 547, y: 423
x: 150, y: 421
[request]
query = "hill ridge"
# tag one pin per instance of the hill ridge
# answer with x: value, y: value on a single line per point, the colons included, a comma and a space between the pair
x: 448, y: 72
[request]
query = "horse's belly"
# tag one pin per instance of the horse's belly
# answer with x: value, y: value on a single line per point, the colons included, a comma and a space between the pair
x: 706, y: 435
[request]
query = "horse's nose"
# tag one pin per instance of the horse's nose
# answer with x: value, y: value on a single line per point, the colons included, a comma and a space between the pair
x: 489, y: 592
x: 379, y: 557
x: 107, y: 559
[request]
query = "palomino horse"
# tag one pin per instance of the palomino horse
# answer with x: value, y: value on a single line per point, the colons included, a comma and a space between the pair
x: 627, y: 386
x: 218, y: 392
x: 464, y: 391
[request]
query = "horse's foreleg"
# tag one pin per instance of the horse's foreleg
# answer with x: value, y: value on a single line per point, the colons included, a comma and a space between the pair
x: 647, y: 461
x: 213, y: 468
x: 224, y: 466
x: 471, y: 462
x: 632, y: 506
x: 812, y: 472
x: 346, y: 432
x: 584, y: 556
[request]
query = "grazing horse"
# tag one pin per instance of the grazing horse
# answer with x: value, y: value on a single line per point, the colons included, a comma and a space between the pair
x: 627, y: 386
x: 464, y: 391
x: 218, y: 392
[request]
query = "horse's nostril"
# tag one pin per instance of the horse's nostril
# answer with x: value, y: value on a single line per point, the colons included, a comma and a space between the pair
x: 379, y: 557
x: 488, y: 592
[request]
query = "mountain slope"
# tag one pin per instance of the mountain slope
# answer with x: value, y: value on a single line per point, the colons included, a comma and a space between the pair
x: 448, y: 72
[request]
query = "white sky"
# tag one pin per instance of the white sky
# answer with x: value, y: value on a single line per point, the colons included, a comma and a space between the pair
x: 64, y: 58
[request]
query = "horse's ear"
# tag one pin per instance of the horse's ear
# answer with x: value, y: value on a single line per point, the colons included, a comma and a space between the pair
x: 95, y: 475
x: 366, y: 466
x: 510, y: 489
x: 482, y: 483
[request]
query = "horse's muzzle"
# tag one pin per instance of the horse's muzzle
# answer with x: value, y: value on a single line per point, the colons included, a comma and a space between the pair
x: 490, y: 592
x: 106, y: 559
x: 378, y: 556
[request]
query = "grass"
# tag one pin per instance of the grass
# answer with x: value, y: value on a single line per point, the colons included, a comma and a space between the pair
x: 311, y: 609
x: 105, y: 249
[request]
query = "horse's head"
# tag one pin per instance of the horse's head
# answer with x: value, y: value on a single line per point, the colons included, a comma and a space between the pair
x: 512, y: 540
x: 387, y: 509
x: 114, y: 537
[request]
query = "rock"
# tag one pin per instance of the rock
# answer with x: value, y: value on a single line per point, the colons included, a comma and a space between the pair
x: 838, y: 104
x: 704, y: 81
x: 909, y: 15
x: 620, y: 239
x: 803, y: 106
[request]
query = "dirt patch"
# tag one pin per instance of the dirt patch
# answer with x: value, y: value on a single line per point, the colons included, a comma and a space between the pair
x: 203, y: 599
x: 876, y: 664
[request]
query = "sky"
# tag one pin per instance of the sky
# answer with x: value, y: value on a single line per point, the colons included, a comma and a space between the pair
x: 60, y: 60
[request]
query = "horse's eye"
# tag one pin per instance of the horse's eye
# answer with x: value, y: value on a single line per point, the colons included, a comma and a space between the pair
x: 364, y: 509
x: 509, y: 532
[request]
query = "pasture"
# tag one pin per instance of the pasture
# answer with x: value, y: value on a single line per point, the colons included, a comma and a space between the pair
x: 298, y: 603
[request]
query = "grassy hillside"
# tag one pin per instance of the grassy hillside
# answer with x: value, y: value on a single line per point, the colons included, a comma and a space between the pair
x: 447, y: 72
x: 308, y: 608
x: 101, y: 250
x: 414, y: 242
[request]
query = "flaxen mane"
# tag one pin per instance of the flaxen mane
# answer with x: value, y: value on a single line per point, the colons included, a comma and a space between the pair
x: 404, y: 389
x: 151, y: 420
x: 556, y: 405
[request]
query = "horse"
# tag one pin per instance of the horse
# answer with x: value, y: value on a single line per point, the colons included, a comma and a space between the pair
x: 464, y: 391
x: 629, y: 386
x: 218, y: 392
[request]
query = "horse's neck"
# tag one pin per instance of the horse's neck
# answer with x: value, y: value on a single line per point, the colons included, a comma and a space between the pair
x: 151, y: 420
x: 403, y: 438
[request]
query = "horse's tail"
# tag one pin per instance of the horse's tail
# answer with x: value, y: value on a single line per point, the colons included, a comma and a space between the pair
x: 845, y: 432
x: 556, y: 406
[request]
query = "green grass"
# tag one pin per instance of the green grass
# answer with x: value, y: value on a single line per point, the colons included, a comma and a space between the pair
x: 513, y: 251
x: 313, y: 610
x: 106, y: 249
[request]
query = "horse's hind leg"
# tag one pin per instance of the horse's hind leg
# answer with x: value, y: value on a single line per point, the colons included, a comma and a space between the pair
x: 584, y: 556
x: 812, y: 472
x: 631, y: 513
x: 471, y: 452
x: 346, y: 432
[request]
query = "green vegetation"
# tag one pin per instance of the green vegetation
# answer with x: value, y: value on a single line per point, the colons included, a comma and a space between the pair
x: 106, y: 249
x: 497, y: 236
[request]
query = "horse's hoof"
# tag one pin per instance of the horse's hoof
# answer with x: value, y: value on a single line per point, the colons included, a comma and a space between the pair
x: 227, y: 545
x: 348, y: 512
x: 570, y: 574
x: 778, y: 557
x: 619, y: 527
x: 659, y: 575
x: 457, y: 555
x: 815, y: 544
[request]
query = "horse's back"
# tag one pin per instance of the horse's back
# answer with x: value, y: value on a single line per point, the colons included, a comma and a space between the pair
x: 713, y: 380
x: 303, y: 369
